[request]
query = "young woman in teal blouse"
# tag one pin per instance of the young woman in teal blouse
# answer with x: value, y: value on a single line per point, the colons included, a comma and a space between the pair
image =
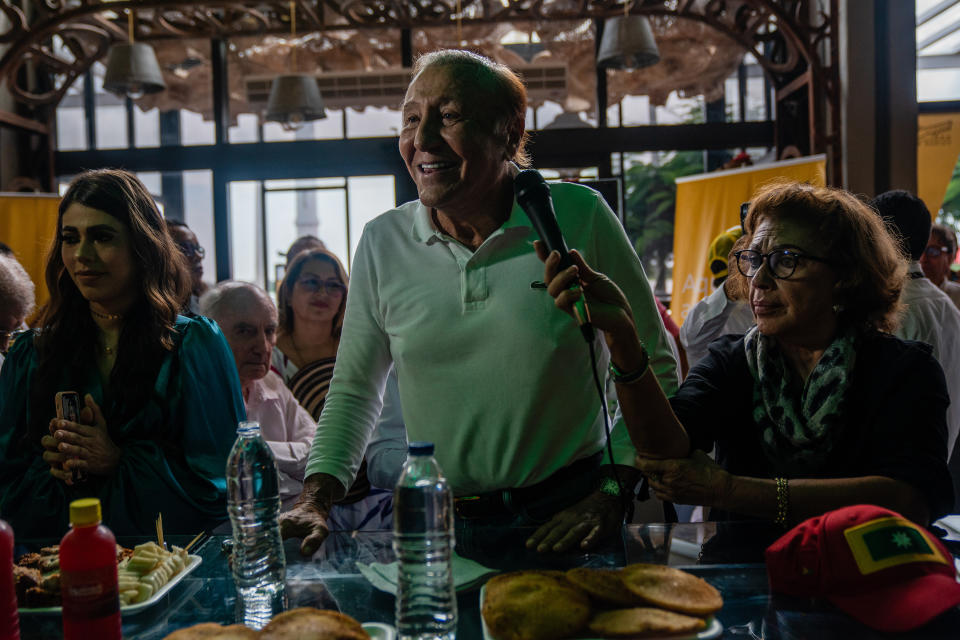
x: 159, y: 392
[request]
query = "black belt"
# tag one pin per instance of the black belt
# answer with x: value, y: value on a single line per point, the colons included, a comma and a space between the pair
x: 505, y: 502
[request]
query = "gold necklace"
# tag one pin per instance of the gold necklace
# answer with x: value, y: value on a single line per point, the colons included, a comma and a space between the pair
x: 106, y: 316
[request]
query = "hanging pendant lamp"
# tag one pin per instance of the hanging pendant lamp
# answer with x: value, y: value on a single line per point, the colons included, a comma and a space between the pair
x: 627, y: 43
x: 295, y: 97
x: 132, y: 68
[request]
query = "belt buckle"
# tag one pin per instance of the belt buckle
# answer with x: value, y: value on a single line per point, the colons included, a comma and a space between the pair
x: 468, y: 507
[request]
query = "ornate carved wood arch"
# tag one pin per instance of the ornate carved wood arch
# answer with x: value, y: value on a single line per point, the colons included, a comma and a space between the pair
x: 794, y: 40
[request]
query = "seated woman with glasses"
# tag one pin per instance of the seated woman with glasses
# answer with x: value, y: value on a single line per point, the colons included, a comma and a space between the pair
x: 817, y: 407
x: 159, y: 398
x: 311, y: 301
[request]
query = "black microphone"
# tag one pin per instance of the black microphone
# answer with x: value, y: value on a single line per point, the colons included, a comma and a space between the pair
x: 533, y: 196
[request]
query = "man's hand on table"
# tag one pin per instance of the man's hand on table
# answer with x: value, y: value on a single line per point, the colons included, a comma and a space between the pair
x: 583, y: 525
x: 305, y: 520
x: 308, y: 517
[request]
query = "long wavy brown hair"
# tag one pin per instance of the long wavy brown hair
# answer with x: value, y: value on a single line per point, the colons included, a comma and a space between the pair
x: 868, y: 260
x: 66, y: 344
x: 285, y: 290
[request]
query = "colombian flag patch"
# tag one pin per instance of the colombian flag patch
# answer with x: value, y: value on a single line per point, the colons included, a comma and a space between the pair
x: 889, y: 542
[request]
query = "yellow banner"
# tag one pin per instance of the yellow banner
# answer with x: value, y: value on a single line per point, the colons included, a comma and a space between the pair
x: 708, y: 204
x: 938, y: 145
x: 28, y: 223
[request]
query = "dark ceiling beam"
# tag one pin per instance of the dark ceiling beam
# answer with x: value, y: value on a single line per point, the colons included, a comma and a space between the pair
x: 378, y: 156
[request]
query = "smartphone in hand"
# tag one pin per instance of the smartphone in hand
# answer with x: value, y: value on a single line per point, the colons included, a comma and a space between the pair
x: 68, y: 408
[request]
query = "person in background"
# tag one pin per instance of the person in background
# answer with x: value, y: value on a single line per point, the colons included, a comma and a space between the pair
x: 816, y: 407
x: 159, y: 393
x: 190, y: 248
x: 303, y: 243
x: 716, y: 315
x: 487, y: 370
x: 937, y: 258
x: 248, y: 319
x: 311, y: 301
x: 929, y: 315
x: 16, y: 300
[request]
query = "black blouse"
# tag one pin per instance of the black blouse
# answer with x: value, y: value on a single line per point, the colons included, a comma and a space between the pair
x: 895, y: 427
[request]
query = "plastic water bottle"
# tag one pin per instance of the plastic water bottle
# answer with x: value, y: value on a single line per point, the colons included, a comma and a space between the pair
x: 423, y: 541
x: 253, y: 502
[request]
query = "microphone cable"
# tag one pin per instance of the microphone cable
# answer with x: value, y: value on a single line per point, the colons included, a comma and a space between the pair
x: 624, y: 499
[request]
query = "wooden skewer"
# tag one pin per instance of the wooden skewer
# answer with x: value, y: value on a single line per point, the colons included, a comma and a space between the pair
x: 193, y: 542
x: 160, y: 530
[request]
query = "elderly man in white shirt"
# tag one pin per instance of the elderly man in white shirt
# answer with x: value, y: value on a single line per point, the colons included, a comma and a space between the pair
x: 248, y: 319
x: 16, y: 299
x: 937, y: 258
x: 930, y: 315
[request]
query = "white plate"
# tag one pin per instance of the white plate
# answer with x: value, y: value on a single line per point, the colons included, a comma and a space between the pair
x: 380, y: 631
x: 130, y: 608
x: 714, y: 628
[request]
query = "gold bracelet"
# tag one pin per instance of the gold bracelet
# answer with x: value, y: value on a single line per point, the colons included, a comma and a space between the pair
x: 783, y: 501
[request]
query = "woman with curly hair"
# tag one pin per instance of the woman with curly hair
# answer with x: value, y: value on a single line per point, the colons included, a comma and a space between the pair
x: 160, y: 398
x: 817, y: 407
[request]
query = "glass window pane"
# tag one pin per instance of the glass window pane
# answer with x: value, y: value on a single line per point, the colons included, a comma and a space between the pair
x: 281, y: 232
x: 110, y: 113
x: 245, y: 246
x: 198, y: 214
x: 369, y: 197
x: 373, y: 122
x: 246, y: 129
x: 195, y: 130
x: 146, y: 127
x: 71, y: 123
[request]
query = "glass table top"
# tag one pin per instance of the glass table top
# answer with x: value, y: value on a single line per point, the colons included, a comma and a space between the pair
x: 727, y: 555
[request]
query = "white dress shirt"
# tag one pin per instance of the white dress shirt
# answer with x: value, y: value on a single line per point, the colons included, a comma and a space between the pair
x: 286, y: 426
x: 931, y: 317
x: 714, y: 316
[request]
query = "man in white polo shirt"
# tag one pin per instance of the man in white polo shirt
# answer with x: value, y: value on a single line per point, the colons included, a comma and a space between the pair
x: 447, y: 289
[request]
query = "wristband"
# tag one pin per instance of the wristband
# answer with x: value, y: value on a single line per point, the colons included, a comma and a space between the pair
x: 783, y: 502
x: 621, y: 377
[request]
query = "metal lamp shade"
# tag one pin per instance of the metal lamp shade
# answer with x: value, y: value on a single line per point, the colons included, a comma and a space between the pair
x: 627, y: 43
x: 132, y: 70
x: 294, y: 99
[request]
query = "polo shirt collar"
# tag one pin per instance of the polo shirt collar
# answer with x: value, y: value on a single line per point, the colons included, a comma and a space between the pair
x: 424, y: 231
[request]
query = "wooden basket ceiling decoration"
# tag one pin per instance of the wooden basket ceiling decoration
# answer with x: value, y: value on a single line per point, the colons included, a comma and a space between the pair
x: 52, y: 42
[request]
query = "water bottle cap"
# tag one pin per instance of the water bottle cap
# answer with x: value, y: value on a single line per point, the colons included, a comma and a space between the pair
x: 421, y: 448
x: 248, y: 428
x: 85, y: 512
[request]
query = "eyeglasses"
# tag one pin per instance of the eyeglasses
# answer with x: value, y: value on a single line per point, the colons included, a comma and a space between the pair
x: 782, y: 262
x: 330, y: 287
x: 7, y: 338
x: 936, y: 252
x: 190, y: 250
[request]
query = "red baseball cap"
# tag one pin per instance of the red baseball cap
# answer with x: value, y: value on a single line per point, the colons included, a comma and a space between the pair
x: 872, y: 563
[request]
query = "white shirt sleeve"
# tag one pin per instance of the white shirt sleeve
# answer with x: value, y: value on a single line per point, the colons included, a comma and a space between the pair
x: 353, y: 402
x: 292, y: 454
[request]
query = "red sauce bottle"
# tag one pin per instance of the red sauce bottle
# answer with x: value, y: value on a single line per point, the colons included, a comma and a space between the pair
x: 88, y: 576
x: 9, y: 621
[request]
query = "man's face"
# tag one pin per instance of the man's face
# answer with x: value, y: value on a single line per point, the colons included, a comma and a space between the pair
x: 190, y: 247
x: 935, y: 260
x: 448, y: 140
x: 250, y: 326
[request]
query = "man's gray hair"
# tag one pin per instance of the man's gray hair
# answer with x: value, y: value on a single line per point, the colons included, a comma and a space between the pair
x: 16, y: 288
x: 226, y: 294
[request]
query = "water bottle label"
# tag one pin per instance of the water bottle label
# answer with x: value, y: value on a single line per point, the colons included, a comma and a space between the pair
x: 90, y: 594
